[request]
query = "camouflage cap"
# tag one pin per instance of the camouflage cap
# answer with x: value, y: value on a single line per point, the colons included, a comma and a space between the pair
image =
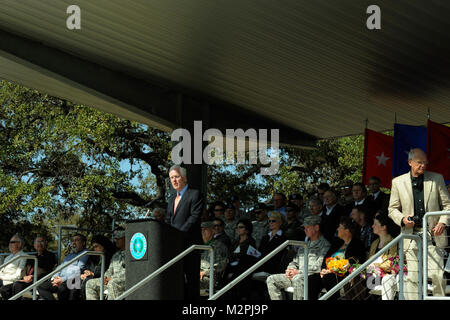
x: 118, y: 234
x: 207, y: 224
x: 311, y: 220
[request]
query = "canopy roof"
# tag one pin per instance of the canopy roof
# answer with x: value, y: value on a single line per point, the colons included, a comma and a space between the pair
x: 310, y: 68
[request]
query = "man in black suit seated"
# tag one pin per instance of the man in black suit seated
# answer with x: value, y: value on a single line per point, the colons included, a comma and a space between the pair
x: 379, y: 198
x: 183, y: 213
x: 360, y: 196
x: 331, y: 214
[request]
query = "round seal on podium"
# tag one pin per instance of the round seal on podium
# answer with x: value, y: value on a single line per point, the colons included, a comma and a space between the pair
x: 138, y: 246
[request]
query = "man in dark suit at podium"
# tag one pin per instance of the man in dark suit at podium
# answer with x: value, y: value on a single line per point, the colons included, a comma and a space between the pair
x: 183, y: 213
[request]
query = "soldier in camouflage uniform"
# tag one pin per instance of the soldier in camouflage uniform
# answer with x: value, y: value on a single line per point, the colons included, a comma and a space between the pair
x: 114, y: 276
x: 230, y: 222
x: 318, y: 247
x: 297, y: 199
x: 261, y: 225
x: 220, y: 256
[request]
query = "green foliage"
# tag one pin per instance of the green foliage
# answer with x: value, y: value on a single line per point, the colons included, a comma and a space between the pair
x: 62, y: 163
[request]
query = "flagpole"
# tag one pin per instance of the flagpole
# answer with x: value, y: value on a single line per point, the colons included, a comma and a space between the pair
x: 428, y: 113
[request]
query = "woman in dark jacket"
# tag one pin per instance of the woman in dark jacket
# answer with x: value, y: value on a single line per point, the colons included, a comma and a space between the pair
x: 272, y: 241
x: 94, y: 264
x: 348, y: 245
x: 240, y: 259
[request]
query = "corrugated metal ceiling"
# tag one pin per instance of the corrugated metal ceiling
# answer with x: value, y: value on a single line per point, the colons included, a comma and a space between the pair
x: 311, y: 65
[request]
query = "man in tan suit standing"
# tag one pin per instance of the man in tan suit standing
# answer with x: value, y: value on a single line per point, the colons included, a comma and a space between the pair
x: 412, y: 195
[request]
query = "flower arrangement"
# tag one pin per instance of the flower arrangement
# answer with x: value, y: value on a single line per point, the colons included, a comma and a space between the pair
x: 375, y: 270
x: 337, y: 266
x: 395, y: 265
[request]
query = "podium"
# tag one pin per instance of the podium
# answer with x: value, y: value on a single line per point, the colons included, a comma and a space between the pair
x: 149, y: 245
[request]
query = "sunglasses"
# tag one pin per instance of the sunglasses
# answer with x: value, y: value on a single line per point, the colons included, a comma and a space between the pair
x: 14, y: 242
x: 273, y: 221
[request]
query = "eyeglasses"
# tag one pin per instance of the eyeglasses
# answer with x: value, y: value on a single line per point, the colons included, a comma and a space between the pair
x: 14, y: 242
x: 240, y: 227
x: 421, y: 162
x: 273, y: 221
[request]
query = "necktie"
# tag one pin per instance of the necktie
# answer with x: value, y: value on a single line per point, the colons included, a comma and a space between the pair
x: 177, y: 200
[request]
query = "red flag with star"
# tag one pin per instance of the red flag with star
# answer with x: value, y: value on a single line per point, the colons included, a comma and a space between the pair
x: 378, y: 151
x: 438, y: 148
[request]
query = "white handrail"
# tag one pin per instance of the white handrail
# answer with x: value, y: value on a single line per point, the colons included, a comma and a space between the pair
x: 363, y: 266
x: 425, y: 255
x: 63, y: 266
x: 34, y: 271
x: 170, y: 263
x: 263, y: 260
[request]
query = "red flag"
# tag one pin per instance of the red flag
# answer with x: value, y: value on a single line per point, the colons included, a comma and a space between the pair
x: 378, y: 151
x: 438, y: 148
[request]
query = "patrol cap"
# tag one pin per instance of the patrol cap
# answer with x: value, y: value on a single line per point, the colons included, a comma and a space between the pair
x: 311, y: 220
x: 118, y: 234
x: 207, y: 224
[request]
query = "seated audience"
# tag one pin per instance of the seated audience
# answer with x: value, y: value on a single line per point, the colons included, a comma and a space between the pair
x: 384, y: 227
x: 279, y: 202
x: 331, y: 214
x: 115, y: 275
x: 315, y: 206
x: 94, y: 264
x: 347, y: 246
x: 293, y: 228
x: 218, y: 209
x: 360, y: 197
x: 293, y: 276
x: 230, y: 222
x: 220, y: 257
x: 58, y: 282
x: 219, y: 233
x: 347, y: 196
x: 13, y: 271
x: 379, y: 199
x: 261, y: 225
x: 321, y: 188
x: 359, y: 215
x: 297, y: 199
x: 46, y: 264
x: 242, y: 257
x: 271, y: 241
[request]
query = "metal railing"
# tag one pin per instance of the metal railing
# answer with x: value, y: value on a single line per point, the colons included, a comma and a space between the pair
x: 169, y: 264
x: 425, y: 255
x: 399, y: 240
x: 264, y: 260
x: 25, y: 256
x: 61, y: 228
x: 63, y: 266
